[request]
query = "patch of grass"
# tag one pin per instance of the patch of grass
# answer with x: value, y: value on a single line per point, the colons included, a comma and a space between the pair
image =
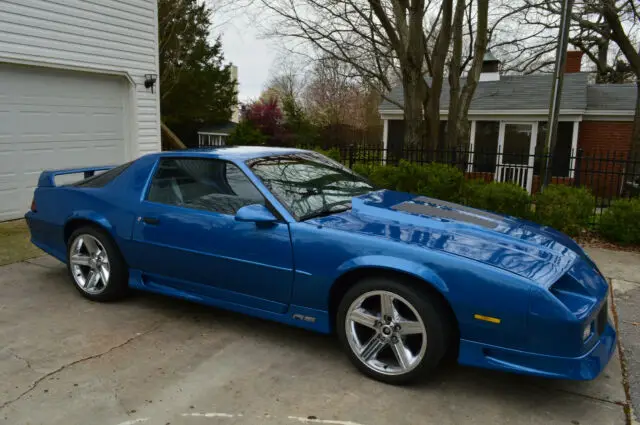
x: 15, y: 244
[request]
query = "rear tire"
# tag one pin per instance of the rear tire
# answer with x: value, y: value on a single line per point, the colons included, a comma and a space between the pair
x: 96, y: 266
x: 393, y: 330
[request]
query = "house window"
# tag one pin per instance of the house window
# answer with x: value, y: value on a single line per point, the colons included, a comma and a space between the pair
x: 486, y: 146
x: 516, y: 143
x: 442, y: 135
x: 562, y: 153
x: 395, y: 135
x: 207, y: 140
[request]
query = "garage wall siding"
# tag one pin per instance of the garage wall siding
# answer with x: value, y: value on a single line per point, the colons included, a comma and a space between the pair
x: 105, y: 36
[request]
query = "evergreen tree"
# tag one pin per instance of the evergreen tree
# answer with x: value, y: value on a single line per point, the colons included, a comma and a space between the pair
x: 196, y: 86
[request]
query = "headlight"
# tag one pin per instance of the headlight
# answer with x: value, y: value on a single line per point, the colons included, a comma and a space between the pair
x: 586, y: 333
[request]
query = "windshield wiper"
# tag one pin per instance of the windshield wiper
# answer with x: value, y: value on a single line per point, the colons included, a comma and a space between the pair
x: 327, y: 212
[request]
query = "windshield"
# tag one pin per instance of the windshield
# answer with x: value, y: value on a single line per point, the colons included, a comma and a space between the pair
x: 309, y: 184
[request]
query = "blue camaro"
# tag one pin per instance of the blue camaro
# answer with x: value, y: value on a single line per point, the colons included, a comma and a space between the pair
x: 292, y: 236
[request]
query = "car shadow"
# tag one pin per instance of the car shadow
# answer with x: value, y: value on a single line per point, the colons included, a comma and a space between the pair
x: 476, y: 386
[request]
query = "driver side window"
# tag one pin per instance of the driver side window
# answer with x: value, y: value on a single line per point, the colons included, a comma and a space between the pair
x: 202, y: 184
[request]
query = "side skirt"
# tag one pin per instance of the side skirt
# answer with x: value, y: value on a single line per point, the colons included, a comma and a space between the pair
x: 302, y: 317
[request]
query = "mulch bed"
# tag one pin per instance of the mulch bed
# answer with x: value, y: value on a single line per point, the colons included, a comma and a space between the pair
x: 588, y: 239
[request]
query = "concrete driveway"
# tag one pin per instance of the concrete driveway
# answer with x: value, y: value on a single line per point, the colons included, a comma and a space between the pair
x: 158, y: 361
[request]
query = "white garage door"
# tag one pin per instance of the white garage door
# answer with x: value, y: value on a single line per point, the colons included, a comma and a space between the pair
x: 52, y: 119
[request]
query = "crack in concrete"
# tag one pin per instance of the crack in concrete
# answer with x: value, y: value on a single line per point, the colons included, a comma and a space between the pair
x: 588, y: 396
x: 120, y: 402
x: 35, y: 383
x: 19, y: 357
x: 28, y: 261
x: 628, y: 407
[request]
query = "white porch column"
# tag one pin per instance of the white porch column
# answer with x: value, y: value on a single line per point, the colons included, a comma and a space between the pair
x: 574, y: 148
x: 385, y: 141
x: 472, y: 144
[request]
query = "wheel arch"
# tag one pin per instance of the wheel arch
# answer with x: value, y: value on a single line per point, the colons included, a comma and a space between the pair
x: 86, y: 218
x: 417, y: 275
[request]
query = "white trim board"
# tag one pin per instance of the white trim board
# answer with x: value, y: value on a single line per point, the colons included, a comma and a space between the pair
x: 530, y: 115
x: 609, y: 116
x: 68, y: 67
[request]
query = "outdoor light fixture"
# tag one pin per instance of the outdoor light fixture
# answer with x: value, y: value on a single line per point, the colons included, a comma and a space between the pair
x: 150, y: 81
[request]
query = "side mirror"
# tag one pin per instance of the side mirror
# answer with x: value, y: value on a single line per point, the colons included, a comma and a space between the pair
x: 255, y: 213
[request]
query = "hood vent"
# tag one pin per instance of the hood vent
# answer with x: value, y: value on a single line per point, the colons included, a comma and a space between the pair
x: 435, y: 208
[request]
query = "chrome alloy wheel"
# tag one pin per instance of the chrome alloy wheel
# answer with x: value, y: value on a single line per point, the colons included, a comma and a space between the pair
x: 386, y: 332
x: 89, y: 264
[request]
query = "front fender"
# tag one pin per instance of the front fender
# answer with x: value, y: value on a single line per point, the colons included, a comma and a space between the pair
x: 394, y: 264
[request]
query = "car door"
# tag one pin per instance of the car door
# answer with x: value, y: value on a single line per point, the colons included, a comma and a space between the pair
x: 188, y: 237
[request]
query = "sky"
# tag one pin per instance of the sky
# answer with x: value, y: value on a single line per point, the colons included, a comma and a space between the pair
x: 243, y: 46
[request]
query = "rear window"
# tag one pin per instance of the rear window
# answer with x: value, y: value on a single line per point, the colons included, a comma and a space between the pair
x: 102, y: 179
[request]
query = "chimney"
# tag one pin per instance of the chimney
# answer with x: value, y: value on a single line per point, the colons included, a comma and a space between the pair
x: 574, y: 61
x: 235, y: 113
x: 490, y: 68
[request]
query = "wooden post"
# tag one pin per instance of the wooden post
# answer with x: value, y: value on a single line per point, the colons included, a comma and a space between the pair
x: 171, y: 137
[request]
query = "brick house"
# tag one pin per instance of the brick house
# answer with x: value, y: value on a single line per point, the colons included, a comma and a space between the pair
x: 508, y: 117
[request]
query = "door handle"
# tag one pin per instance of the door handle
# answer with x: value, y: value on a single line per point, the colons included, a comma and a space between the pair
x: 151, y: 220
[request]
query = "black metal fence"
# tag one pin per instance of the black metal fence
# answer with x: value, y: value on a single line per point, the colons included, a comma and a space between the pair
x: 609, y: 175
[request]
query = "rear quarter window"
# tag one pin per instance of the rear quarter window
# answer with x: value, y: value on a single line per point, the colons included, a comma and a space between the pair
x: 103, y: 179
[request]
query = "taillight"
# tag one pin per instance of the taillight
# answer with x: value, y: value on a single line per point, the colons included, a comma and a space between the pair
x: 33, y: 205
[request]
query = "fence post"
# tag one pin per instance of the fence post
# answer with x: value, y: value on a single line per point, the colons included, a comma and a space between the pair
x: 578, y: 167
x: 351, y: 155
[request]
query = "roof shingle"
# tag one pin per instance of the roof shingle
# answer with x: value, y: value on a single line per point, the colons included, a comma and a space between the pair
x: 611, y: 97
x: 533, y: 92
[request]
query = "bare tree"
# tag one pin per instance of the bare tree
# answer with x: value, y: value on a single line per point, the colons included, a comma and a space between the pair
x: 460, y: 97
x: 416, y: 43
x: 333, y: 98
x: 614, y: 14
x: 607, y: 31
x: 378, y: 39
x: 288, y: 78
x: 536, y: 22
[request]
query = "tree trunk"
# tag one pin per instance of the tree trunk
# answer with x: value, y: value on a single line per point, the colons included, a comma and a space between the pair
x: 635, y: 134
x: 455, y: 72
x: 432, y: 119
x: 438, y: 60
x: 414, y: 131
x: 458, y: 123
x: 473, y: 76
x: 413, y: 124
x: 621, y: 38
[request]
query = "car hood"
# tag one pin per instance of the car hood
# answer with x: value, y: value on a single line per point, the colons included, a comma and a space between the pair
x: 538, y: 253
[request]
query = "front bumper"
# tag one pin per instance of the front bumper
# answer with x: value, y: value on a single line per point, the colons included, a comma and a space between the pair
x: 586, y: 367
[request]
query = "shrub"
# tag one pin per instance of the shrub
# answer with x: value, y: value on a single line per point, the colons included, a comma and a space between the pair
x: 333, y: 153
x: 246, y: 134
x: 384, y: 176
x: 565, y: 208
x: 435, y: 180
x: 621, y: 221
x: 470, y: 188
x: 363, y: 169
x: 504, y: 198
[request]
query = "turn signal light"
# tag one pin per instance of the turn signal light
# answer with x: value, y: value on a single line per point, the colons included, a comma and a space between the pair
x: 33, y: 205
x: 587, y: 331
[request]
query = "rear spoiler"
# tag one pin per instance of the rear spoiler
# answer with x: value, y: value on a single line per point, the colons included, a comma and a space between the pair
x: 47, y: 178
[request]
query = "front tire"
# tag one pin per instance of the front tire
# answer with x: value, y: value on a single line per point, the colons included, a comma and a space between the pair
x: 95, y: 265
x: 393, y: 330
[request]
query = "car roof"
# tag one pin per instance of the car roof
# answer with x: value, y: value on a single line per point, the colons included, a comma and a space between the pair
x: 232, y: 153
